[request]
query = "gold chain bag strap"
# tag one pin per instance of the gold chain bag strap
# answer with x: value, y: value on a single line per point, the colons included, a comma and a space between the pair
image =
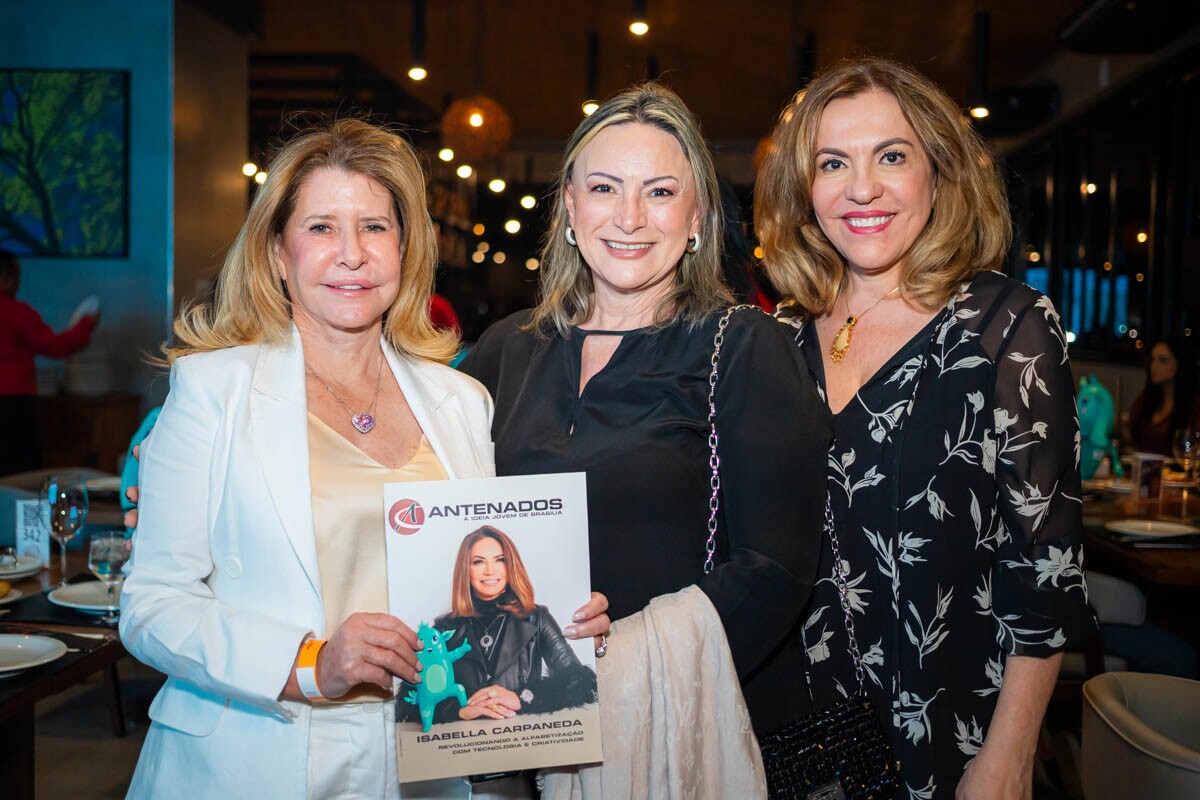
x: 839, y: 752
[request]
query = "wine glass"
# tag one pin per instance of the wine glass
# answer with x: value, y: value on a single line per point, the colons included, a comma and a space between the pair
x: 106, y: 556
x: 67, y: 496
x: 1184, y: 446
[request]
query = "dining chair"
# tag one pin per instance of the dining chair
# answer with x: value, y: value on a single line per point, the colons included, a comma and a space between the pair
x: 1141, y: 737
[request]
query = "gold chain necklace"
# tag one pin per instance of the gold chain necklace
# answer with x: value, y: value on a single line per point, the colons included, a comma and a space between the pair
x: 365, y: 421
x: 841, y: 340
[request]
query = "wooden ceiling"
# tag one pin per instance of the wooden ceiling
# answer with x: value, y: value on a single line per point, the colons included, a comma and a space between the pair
x: 735, y: 63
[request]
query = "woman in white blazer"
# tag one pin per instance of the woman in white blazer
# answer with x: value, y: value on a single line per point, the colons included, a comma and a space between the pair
x: 257, y: 581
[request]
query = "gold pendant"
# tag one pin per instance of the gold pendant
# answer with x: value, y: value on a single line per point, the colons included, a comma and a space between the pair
x: 841, y: 340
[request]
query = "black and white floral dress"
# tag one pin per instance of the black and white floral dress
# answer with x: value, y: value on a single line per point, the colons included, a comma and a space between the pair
x: 954, y: 481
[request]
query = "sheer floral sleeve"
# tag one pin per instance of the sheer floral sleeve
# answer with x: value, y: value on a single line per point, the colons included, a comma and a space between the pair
x: 1038, y: 592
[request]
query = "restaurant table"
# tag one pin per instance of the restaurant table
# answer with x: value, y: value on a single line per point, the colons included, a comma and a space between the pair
x: 20, y: 692
x: 1162, y: 564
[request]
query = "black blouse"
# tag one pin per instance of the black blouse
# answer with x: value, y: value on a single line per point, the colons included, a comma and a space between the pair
x: 640, y: 432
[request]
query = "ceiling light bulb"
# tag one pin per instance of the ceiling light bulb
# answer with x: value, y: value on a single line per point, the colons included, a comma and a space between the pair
x: 512, y: 226
x: 475, y: 120
x: 478, y: 229
x: 639, y: 27
x: 589, y: 107
x: 417, y: 73
x: 1142, y: 237
x: 531, y: 264
x: 478, y: 256
x: 528, y: 201
x: 249, y: 168
x: 260, y: 177
x: 499, y: 257
x: 497, y: 185
x: 483, y: 247
x: 980, y: 112
x: 464, y: 171
x: 446, y: 154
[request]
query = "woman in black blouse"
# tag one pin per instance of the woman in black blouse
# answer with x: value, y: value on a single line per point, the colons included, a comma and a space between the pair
x: 954, y: 478
x: 609, y: 375
x: 1168, y: 402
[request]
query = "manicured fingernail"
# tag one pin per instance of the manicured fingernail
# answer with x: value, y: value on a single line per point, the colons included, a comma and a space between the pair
x: 569, y: 630
x: 577, y: 616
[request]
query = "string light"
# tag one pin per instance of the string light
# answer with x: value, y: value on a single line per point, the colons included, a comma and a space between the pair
x: 417, y: 73
x: 464, y: 171
x: 249, y: 168
x: 446, y: 154
x: 260, y: 177
x: 512, y: 226
x: 528, y: 201
x: 497, y: 185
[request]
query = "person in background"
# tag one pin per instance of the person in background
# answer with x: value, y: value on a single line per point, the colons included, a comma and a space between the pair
x: 1168, y: 402
x: 24, y: 335
x: 442, y: 313
x: 737, y: 260
x: 954, y: 477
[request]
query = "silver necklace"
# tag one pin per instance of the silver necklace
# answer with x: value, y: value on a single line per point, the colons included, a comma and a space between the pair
x: 364, y: 422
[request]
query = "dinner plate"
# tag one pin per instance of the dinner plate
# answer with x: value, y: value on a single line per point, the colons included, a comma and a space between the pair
x: 19, y: 651
x: 104, y: 483
x: 89, y: 596
x: 1150, y: 528
x: 24, y: 567
x: 1117, y: 485
x: 13, y: 594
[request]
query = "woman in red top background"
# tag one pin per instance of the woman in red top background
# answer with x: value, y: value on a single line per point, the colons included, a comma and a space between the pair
x: 24, y: 335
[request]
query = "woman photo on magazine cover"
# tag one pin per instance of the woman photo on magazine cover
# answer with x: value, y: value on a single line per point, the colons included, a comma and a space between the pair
x: 519, y: 661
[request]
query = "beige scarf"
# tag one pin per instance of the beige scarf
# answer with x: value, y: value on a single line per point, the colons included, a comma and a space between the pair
x: 671, y: 711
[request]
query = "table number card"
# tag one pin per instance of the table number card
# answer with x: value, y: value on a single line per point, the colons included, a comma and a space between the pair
x: 33, y: 530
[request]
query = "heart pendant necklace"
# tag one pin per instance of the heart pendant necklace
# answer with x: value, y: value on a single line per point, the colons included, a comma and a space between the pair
x: 363, y: 422
x: 841, y: 340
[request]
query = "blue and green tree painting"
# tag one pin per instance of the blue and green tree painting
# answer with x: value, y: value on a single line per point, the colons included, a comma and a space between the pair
x: 63, y: 162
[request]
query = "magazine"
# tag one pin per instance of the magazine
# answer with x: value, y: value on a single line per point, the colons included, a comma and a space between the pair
x: 488, y: 572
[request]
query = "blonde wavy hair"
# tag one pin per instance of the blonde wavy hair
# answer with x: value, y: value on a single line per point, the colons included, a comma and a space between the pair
x: 566, y: 290
x: 252, y: 304
x: 969, y: 229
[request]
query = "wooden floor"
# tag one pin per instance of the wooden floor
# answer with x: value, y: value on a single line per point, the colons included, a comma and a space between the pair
x: 76, y: 754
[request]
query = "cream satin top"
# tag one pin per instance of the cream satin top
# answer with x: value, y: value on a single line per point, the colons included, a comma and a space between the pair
x: 348, y: 515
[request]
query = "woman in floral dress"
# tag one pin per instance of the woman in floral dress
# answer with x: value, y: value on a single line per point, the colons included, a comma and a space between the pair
x: 954, y: 476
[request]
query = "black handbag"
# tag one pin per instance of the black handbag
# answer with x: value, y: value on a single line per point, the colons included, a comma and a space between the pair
x: 836, y: 753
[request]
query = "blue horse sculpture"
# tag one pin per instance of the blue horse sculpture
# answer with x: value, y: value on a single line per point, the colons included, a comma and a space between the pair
x: 1096, y: 419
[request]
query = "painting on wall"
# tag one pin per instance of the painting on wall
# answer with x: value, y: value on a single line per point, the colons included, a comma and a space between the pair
x: 64, y: 162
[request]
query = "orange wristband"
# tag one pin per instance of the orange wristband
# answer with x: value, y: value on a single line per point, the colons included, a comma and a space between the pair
x: 306, y: 669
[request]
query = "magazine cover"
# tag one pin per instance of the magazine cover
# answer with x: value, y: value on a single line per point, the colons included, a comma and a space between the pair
x: 488, y: 572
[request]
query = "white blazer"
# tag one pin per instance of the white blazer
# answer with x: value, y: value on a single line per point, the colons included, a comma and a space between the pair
x: 224, y: 585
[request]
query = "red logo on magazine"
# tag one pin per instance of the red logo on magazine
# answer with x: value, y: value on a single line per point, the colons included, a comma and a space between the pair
x: 406, y: 517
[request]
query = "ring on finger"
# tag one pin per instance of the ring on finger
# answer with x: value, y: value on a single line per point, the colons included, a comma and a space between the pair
x: 603, y: 648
